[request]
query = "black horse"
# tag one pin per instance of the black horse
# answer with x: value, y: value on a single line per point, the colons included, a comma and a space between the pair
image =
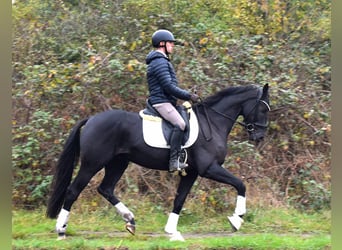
x: 113, y: 138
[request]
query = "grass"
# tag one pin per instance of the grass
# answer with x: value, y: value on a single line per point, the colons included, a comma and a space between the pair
x: 102, y: 228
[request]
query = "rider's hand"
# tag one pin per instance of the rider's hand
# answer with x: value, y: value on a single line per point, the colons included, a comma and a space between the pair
x: 194, y: 98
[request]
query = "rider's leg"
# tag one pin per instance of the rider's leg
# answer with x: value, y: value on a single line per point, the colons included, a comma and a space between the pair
x: 175, y: 148
x: 170, y: 113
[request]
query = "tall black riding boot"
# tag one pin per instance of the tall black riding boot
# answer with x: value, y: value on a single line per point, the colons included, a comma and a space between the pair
x: 175, y: 148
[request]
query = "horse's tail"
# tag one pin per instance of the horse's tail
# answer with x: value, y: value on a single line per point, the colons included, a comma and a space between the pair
x: 64, y: 169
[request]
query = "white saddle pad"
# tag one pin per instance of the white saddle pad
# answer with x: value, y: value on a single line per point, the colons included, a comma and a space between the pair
x: 153, y: 134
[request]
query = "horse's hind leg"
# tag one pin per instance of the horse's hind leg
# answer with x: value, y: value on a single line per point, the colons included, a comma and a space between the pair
x: 113, y: 172
x: 86, y: 172
x: 220, y: 174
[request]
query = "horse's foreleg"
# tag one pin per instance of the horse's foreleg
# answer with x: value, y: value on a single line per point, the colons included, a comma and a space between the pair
x: 240, y: 209
x: 220, y: 174
x: 183, y: 190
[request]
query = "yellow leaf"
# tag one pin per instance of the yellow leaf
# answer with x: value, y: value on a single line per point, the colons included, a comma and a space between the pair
x: 203, y: 41
x: 92, y: 60
x: 130, y: 67
x: 133, y: 46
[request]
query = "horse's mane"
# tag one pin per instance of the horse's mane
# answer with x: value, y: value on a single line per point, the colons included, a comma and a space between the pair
x: 233, y: 90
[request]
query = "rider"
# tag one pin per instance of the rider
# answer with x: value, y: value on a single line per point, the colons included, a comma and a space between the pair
x: 164, y: 91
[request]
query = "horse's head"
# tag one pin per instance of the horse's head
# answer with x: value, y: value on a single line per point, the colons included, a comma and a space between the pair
x: 255, y: 113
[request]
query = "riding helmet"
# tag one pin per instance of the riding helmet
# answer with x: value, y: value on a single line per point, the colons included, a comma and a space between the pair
x: 162, y: 36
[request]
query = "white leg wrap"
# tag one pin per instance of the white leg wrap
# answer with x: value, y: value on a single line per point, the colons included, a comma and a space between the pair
x: 240, y: 208
x: 126, y: 214
x: 62, y: 221
x: 171, y: 228
x: 172, y: 222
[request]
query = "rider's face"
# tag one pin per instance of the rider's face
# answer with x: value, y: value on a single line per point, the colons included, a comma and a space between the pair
x: 169, y: 46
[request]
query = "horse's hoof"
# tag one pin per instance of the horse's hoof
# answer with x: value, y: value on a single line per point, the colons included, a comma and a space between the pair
x: 176, y: 236
x: 235, y: 221
x: 61, y: 236
x: 130, y: 228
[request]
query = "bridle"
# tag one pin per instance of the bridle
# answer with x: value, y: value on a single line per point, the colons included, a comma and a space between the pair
x: 250, y: 126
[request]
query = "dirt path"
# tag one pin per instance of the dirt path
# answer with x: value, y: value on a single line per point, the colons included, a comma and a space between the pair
x: 185, y: 235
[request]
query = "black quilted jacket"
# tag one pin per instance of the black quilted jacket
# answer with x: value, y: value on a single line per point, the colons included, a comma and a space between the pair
x: 162, y: 81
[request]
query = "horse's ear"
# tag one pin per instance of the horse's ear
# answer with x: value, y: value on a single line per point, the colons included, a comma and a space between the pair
x: 264, y: 91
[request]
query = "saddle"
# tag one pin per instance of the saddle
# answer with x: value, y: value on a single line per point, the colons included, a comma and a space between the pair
x: 157, y: 131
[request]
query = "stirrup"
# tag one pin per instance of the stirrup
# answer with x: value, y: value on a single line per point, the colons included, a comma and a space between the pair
x: 180, y: 166
x: 176, y: 165
x: 180, y: 169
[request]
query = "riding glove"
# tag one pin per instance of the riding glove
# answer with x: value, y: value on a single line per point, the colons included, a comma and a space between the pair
x: 194, y: 98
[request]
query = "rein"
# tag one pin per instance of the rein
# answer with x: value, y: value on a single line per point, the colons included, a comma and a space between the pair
x: 205, y: 108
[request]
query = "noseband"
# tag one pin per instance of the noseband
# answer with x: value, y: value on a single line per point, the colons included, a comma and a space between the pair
x: 251, y: 126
